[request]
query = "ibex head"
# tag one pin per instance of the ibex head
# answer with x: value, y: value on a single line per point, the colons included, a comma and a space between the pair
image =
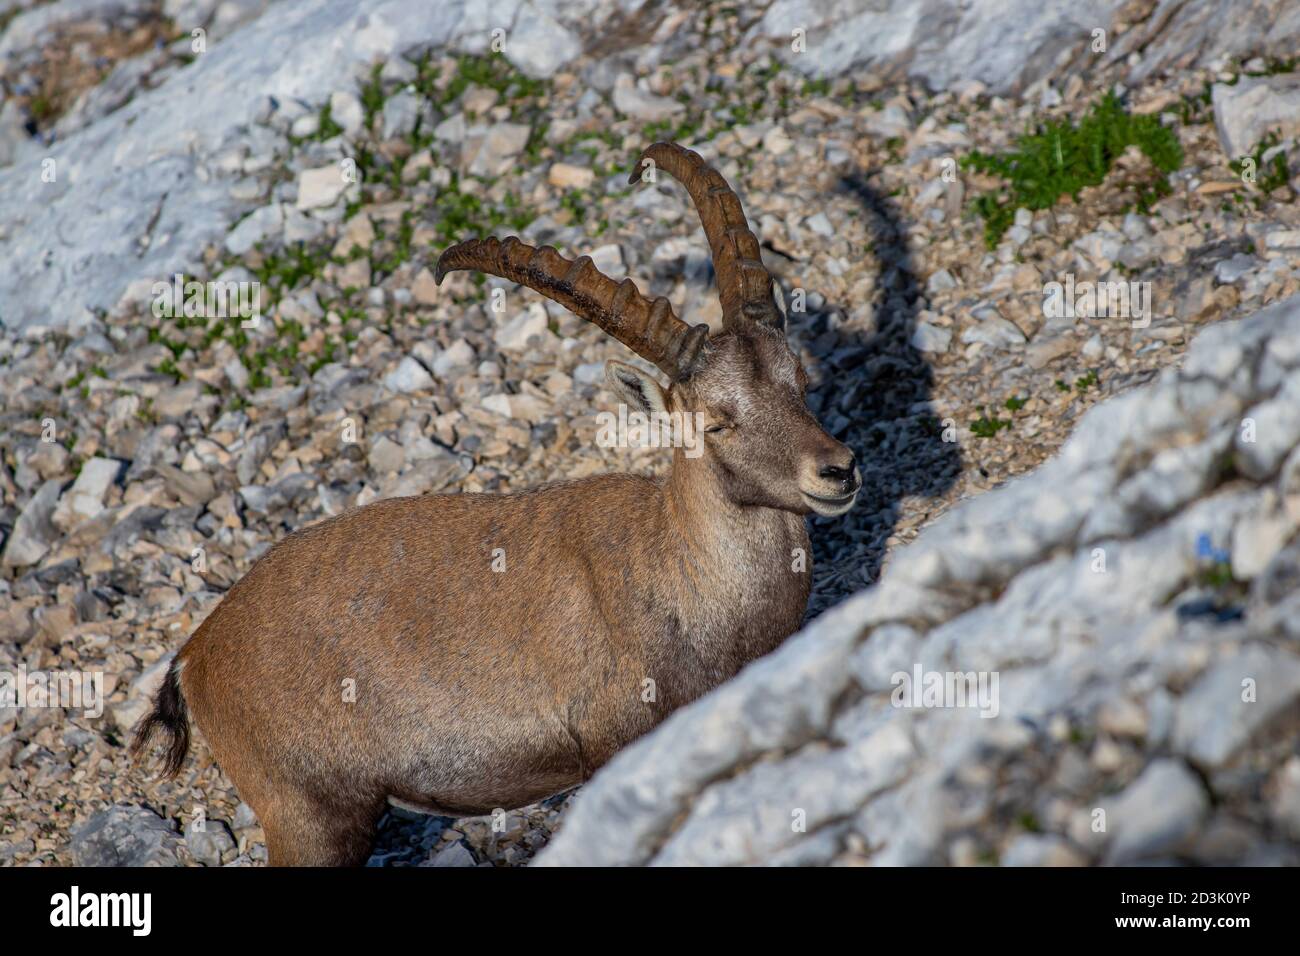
x: 760, y: 439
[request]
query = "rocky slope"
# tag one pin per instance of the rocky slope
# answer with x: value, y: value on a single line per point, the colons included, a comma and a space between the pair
x: 147, y: 460
x: 162, y: 139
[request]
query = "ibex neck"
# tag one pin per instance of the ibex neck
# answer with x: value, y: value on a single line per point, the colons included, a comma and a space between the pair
x: 741, y: 574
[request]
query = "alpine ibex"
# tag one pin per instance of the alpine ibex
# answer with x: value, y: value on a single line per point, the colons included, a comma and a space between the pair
x: 479, y: 687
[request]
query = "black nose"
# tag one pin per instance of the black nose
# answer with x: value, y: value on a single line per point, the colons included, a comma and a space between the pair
x: 841, y: 473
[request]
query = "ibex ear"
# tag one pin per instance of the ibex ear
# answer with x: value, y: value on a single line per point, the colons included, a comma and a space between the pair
x: 636, y: 388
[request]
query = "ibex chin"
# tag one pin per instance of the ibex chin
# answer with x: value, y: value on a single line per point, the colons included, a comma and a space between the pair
x: 501, y: 648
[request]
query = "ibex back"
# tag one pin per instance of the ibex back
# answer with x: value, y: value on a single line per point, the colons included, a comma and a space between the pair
x: 462, y: 653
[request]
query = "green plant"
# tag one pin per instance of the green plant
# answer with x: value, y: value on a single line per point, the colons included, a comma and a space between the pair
x: 1269, y: 175
x: 401, y: 246
x: 40, y: 107
x: 986, y: 427
x: 1086, y: 381
x: 682, y: 132
x: 281, y: 272
x: 1216, y: 576
x: 536, y: 142
x: 575, y: 201
x: 492, y: 71
x: 372, y: 94
x: 460, y: 215
x: 1276, y: 65
x: 1060, y: 158
x: 326, y: 127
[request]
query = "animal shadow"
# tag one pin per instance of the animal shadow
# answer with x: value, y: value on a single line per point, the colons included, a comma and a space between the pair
x: 873, y: 393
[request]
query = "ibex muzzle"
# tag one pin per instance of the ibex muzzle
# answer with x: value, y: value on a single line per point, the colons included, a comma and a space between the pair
x: 463, y: 653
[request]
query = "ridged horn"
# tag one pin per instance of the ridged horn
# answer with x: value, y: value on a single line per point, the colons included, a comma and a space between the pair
x: 647, y: 326
x: 744, y: 284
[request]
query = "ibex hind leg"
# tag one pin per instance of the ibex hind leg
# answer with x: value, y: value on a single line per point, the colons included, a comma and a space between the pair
x: 304, y: 831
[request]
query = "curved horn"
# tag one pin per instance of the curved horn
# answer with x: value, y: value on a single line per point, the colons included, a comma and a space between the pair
x: 744, y: 284
x: 647, y: 326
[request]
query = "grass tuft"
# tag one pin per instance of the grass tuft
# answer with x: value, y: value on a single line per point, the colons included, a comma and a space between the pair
x: 1060, y: 158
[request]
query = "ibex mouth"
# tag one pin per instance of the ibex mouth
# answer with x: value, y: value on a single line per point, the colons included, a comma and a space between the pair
x: 830, y: 507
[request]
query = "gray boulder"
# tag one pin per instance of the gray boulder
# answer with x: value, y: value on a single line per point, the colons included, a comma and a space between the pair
x: 1250, y: 109
x: 125, y: 836
x: 1008, y: 45
x: 209, y: 844
x: 34, y: 532
x: 1005, y: 44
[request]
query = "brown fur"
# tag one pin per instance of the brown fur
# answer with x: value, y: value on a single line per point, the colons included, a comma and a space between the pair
x: 478, y: 689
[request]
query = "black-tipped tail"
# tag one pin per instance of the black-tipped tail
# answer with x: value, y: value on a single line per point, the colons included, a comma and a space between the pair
x: 170, y: 716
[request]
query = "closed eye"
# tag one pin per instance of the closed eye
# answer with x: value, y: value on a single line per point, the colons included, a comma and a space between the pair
x: 717, y: 427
